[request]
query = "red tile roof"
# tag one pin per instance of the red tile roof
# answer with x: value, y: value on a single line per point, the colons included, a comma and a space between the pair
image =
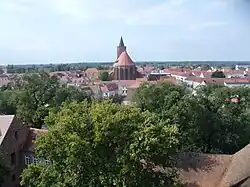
x: 203, y: 170
x: 206, y: 170
x: 124, y: 60
x: 109, y: 87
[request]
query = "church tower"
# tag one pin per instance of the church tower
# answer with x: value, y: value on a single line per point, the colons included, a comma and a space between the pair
x: 120, y: 48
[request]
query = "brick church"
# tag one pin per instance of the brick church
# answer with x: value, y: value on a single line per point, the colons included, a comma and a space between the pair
x: 124, y: 68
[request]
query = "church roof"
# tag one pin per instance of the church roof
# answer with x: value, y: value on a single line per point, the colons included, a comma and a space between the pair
x: 124, y: 60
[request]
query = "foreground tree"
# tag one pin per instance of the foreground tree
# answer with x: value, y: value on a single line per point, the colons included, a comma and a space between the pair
x: 105, y: 145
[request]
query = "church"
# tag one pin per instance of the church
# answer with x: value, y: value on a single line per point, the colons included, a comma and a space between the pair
x: 124, y: 68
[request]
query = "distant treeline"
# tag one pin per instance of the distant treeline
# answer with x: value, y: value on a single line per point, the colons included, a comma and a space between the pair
x: 105, y: 65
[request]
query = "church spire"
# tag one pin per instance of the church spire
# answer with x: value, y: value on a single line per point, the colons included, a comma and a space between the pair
x: 121, y: 44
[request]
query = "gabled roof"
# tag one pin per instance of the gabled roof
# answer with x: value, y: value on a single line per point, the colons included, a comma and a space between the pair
x: 5, y: 122
x: 109, y: 87
x: 124, y: 60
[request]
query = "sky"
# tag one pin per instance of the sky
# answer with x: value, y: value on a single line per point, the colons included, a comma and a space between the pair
x: 56, y: 31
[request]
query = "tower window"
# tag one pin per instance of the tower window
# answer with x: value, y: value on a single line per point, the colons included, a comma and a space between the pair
x: 13, y: 158
x: 13, y: 177
x: 16, y: 135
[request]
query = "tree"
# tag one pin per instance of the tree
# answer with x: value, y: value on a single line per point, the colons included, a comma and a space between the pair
x: 158, y: 97
x: 105, y: 145
x: 4, y: 169
x: 38, y: 93
x: 218, y: 74
x: 208, y: 121
x: 104, y: 76
x: 6, y: 106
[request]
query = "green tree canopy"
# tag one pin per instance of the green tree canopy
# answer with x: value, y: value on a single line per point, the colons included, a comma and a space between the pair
x: 37, y: 93
x: 218, y: 74
x: 208, y: 121
x: 104, y: 76
x: 105, y: 145
x: 158, y: 97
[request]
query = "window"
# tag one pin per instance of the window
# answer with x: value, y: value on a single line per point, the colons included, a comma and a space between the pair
x: 13, y: 177
x: 27, y: 160
x: 35, y: 160
x: 16, y: 135
x: 13, y: 158
x: 46, y: 162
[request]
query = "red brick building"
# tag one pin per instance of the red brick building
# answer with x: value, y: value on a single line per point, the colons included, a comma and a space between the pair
x: 124, y: 68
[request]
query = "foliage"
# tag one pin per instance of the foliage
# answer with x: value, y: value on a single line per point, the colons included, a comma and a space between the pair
x: 104, y: 76
x: 218, y: 74
x: 6, y: 106
x: 208, y: 121
x: 105, y: 145
x: 158, y: 97
x: 117, y: 98
x: 32, y: 98
x: 4, y: 169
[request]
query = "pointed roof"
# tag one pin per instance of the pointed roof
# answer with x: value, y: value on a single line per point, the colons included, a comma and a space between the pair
x: 124, y: 60
x: 121, y: 44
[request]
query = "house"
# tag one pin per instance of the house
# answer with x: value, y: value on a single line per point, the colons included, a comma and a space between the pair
x: 28, y: 151
x: 92, y: 73
x: 208, y: 170
x: 13, y: 136
x: 17, y: 143
x: 109, y: 89
x: 237, y: 82
x: 4, y: 80
x: 93, y: 90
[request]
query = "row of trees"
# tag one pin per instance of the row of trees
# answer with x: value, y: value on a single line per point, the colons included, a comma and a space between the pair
x: 55, y: 67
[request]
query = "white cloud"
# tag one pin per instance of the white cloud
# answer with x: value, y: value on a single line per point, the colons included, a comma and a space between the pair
x: 167, y: 13
x: 207, y: 25
x: 12, y: 6
x: 92, y: 10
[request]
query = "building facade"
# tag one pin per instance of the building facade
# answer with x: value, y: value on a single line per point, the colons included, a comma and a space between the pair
x: 12, y: 139
x: 17, y: 143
